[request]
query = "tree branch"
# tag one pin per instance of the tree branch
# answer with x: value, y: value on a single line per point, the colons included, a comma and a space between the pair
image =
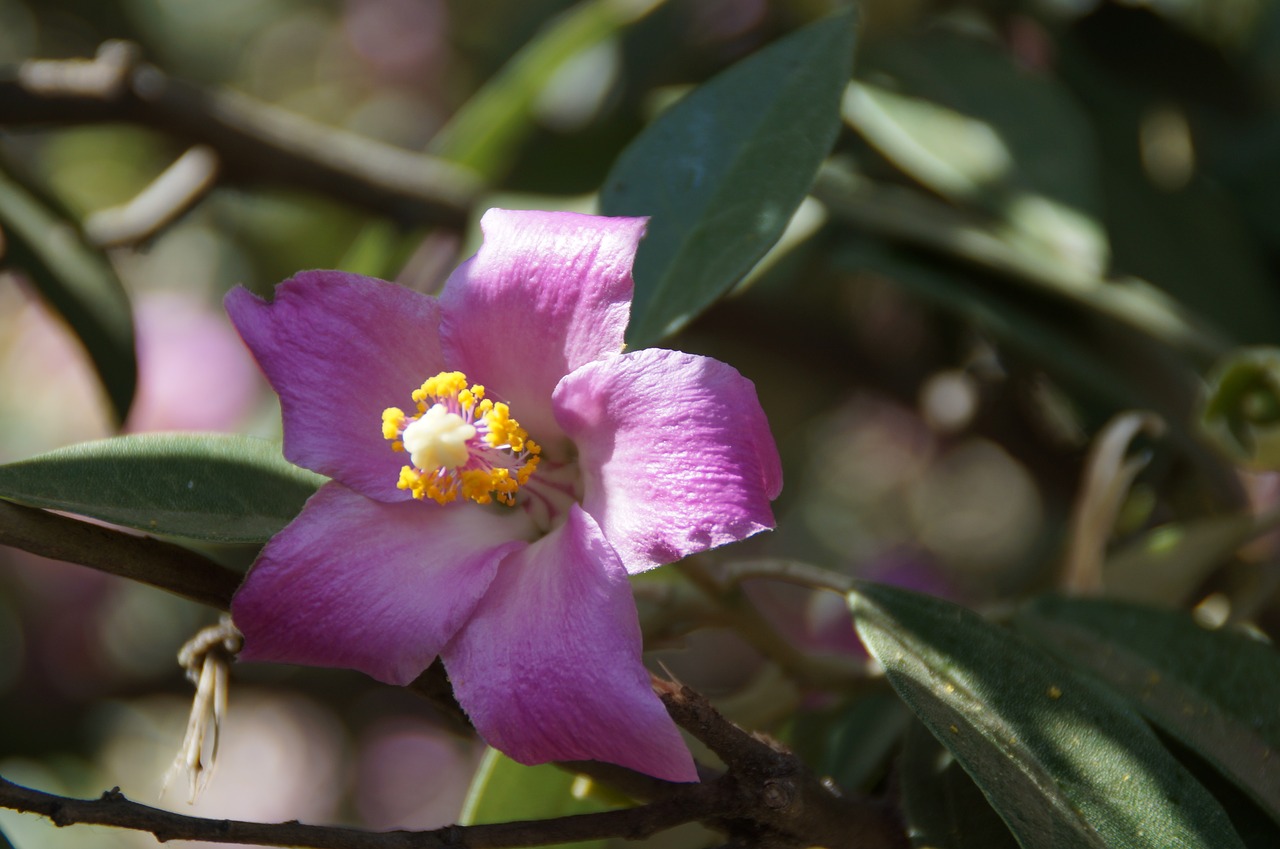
x: 255, y: 143
x: 737, y: 612
x: 169, y: 567
x: 777, y: 800
x: 180, y: 187
x: 767, y: 798
x: 151, y: 561
x: 113, y: 809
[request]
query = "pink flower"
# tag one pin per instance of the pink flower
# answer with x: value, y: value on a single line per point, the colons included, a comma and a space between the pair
x: 495, y: 523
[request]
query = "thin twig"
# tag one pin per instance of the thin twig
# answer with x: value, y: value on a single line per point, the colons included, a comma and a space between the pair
x: 113, y: 809
x: 766, y: 791
x: 256, y: 143
x: 138, y: 558
x: 737, y: 612
x: 169, y: 567
x: 793, y: 572
x: 189, y: 178
x: 768, y: 798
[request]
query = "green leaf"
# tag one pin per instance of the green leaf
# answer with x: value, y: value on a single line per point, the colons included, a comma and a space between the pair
x: 505, y: 791
x: 1040, y: 332
x: 852, y: 742
x: 1063, y: 761
x: 76, y: 280
x: 944, y: 809
x: 1166, y: 564
x: 1180, y: 235
x: 722, y: 171
x: 215, y: 487
x: 1216, y: 691
x: 959, y: 116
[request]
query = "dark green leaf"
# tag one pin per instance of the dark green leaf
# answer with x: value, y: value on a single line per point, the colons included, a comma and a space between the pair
x: 1177, y: 236
x: 1256, y: 829
x: 76, y: 280
x: 852, y: 742
x: 1063, y: 761
x: 1216, y: 691
x: 215, y: 487
x: 944, y: 809
x: 722, y: 171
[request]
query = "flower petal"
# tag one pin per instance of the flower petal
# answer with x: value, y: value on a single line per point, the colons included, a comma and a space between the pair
x: 339, y: 349
x: 675, y: 451
x: 365, y: 585
x: 547, y: 292
x: 548, y: 667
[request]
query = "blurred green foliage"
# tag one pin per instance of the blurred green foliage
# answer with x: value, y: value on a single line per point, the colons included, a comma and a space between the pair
x: 1023, y: 218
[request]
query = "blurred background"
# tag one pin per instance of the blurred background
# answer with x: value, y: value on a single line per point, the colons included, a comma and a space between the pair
x: 1039, y: 214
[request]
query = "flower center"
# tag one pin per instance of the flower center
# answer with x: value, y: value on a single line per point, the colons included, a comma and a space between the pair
x: 438, y: 440
x: 460, y: 444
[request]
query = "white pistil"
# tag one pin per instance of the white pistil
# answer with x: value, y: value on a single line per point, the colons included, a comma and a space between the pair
x: 438, y: 440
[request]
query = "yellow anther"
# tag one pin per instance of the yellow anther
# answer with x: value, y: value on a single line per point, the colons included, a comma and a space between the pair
x: 504, y: 431
x: 522, y: 476
x: 447, y: 458
x: 392, y: 422
x: 409, y: 480
x: 446, y: 384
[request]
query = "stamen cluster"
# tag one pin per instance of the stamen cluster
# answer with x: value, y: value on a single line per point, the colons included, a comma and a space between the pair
x: 464, y: 444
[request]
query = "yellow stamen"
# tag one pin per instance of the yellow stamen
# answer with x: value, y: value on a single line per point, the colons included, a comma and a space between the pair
x: 392, y: 422
x: 460, y: 444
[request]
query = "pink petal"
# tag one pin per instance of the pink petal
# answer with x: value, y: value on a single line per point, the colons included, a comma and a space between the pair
x: 549, y: 666
x: 339, y: 349
x: 366, y: 585
x: 547, y: 292
x: 675, y: 451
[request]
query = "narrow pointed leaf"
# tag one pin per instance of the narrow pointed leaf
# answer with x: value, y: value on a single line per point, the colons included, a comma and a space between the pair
x: 722, y: 171
x: 1216, y: 691
x: 851, y: 743
x: 1065, y: 762
x: 214, y: 487
x: 76, y: 280
x: 942, y: 806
